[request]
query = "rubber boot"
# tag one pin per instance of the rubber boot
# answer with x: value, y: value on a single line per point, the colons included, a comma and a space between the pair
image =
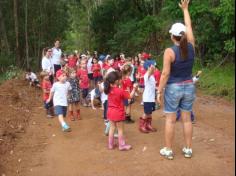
x: 72, y: 116
x: 78, y: 115
x: 111, y: 143
x: 48, y: 113
x: 122, y: 145
x: 149, y: 125
x: 143, y: 125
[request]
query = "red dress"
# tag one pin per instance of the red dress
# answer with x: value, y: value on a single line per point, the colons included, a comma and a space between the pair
x: 96, y: 68
x: 127, y: 85
x: 72, y: 62
x: 116, y: 108
x: 82, y: 75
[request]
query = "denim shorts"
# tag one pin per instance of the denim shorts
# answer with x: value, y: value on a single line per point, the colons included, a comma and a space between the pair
x: 60, y: 110
x: 85, y: 93
x: 179, y: 96
x: 149, y: 107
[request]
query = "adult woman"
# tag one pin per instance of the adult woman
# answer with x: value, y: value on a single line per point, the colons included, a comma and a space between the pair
x: 177, y: 79
x: 46, y: 63
x: 56, y: 56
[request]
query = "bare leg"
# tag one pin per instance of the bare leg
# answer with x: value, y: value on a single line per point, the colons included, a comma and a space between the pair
x: 188, y: 128
x: 170, y: 129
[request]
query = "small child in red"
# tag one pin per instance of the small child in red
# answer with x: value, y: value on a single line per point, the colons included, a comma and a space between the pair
x: 96, y: 68
x: 46, y: 86
x: 82, y: 75
x: 116, y: 109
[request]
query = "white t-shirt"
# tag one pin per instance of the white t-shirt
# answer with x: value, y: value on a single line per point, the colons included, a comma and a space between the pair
x: 32, y: 76
x: 56, y: 56
x: 47, y: 65
x: 150, y: 88
x: 89, y: 65
x: 104, y: 96
x: 60, y: 91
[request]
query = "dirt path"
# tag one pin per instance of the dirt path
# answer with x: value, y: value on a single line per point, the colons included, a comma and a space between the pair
x: 43, y: 150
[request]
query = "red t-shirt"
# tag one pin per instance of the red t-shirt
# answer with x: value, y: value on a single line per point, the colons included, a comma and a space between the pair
x: 82, y: 75
x: 46, y: 85
x: 72, y: 62
x: 96, y: 68
x: 116, y: 108
x: 127, y: 84
x: 157, y: 75
x: 141, y: 72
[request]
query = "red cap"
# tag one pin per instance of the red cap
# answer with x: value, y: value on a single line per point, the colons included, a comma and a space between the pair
x: 59, y: 73
x: 146, y: 56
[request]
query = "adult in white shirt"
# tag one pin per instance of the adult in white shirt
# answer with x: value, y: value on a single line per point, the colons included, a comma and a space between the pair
x: 46, y: 63
x: 56, y: 56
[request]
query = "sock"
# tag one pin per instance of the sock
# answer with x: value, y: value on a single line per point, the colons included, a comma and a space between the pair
x: 63, y: 124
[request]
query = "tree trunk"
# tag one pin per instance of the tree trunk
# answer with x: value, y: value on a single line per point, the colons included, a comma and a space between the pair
x: 16, y: 31
x: 26, y: 34
x: 4, y: 33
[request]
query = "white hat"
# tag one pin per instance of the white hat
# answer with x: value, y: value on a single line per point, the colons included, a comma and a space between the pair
x: 83, y: 55
x: 177, y: 28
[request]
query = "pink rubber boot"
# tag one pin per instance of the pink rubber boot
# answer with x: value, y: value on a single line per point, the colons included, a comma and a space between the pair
x: 111, y: 145
x: 122, y: 145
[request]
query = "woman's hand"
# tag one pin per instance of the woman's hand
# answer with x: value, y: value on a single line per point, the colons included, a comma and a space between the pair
x: 184, y: 4
x: 159, y: 98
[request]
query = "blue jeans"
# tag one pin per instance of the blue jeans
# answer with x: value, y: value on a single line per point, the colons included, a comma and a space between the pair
x: 179, y: 96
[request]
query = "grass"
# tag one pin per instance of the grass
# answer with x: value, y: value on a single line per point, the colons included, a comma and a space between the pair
x: 218, y: 81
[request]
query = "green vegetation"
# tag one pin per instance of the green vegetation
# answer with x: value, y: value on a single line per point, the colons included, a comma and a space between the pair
x: 114, y: 26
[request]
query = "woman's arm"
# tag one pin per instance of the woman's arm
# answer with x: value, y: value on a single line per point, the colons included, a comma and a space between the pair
x: 168, y: 59
x: 187, y: 20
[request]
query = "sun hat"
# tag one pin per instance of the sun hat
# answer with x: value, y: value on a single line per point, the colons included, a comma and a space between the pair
x: 177, y: 28
x: 148, y: 64
x: 145, y: 56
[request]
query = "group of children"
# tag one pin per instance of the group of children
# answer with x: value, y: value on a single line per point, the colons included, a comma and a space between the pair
x: 115, y: 83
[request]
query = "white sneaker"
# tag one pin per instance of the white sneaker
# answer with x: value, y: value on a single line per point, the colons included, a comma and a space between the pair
x: 187, y: 152
x: 168, y: 153
x: 141, y: 103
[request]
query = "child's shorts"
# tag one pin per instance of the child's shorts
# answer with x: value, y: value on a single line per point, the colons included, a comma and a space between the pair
x: 60, y: 110
x: 48, y: 105
x: 149, y: 107
x: 127, y: 103
x: 90, y: 76
x: 85, y: 93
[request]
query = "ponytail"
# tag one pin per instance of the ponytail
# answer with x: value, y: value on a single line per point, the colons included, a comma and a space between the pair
x: 111, y: 78
x: 184, y: 46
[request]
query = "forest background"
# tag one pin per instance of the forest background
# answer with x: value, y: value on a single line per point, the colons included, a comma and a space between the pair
x: 114, y: 26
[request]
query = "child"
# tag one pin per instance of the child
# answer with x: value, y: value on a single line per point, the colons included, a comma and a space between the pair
x: 46, y: 86
x: 116, y: 110
x: 140, y: 77
x: 148, y: 99
x: 127, y: 85
x: 96, y: 68
x: 93, y: 94
x: 59, y: 93
x: 72, y: 60
x: 195, y: 80
x: 74, y: 96
x: 82, y: 75
x: 32, y: 78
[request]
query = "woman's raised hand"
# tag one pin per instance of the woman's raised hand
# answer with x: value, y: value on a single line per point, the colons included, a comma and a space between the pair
x: 184, y: 4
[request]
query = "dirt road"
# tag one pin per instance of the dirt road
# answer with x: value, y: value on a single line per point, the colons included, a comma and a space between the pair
x: 41, y: 149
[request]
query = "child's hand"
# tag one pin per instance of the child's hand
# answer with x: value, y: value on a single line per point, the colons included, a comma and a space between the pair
x: 135, y: 86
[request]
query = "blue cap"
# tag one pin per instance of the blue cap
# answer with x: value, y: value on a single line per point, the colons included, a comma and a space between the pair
x: 102, y: 57
x: 149, y: 63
